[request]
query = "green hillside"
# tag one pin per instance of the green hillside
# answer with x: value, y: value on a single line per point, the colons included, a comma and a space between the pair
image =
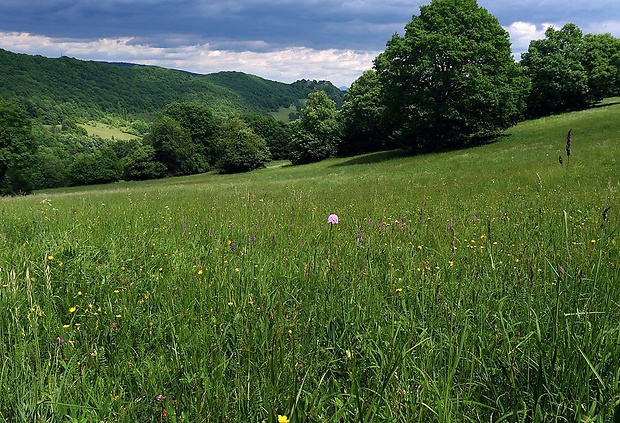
x: 468, y: 286
x: 54, y: 89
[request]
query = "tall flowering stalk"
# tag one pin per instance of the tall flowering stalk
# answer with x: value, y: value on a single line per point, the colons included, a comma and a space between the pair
x: 568, y: 142
x: 332, y: 219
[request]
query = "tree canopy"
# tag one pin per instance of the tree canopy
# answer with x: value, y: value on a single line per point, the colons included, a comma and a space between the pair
x: 202, y: 125
x: 17, y: 148
x: 241, y: 150
x: 317, y: 132
x: 174, y: 148
x: 362, y: 116
x: 570, y: 71
x: 451, y: 76
x: 554, y: 65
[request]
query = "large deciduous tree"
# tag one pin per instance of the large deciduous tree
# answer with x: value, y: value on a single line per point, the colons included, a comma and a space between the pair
x: 277, y: 134
x: 554, y: 65
x: 174, y: 148
x: 17, y: 149
x: 601, y: 60
x: 362, y: 116
x: 100, y: 167
x: 141, y: 164
x: 451, y: 76
x: 240, y: 149
x: 317, y: 132
x: 202, y: 125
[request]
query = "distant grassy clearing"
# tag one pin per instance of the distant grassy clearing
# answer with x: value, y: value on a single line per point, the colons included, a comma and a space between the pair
x: 99, y: 129
x: 283, y: 113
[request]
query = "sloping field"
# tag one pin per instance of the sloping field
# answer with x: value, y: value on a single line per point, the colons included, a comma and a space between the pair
x: 107, y: 132
x: 479, y: 285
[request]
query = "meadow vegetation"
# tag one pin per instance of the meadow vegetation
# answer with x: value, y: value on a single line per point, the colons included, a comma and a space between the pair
x: 473, y: 285
x: 98, y: 129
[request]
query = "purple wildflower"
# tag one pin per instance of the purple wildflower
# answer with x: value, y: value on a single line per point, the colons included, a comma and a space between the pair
x: 332, y: 219
x: 60, y: 340
x: 475, y: 218
x: 232, y: 246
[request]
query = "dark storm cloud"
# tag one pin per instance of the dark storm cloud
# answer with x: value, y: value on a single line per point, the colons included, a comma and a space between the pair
x: 317, y: 24
x: 277, y: 39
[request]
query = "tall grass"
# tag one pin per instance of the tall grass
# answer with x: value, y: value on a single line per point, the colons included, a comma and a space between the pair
x: 477, y: 285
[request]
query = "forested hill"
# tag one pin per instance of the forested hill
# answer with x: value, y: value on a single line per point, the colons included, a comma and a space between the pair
x: 50, y: 89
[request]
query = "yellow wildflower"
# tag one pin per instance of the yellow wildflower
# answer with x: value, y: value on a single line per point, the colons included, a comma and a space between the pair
x: 283, y: 419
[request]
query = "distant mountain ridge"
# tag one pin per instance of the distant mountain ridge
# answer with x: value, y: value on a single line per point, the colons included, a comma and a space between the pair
x: 52, y: 88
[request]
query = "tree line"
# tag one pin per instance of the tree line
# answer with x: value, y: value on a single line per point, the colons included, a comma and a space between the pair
x: 448, y: 82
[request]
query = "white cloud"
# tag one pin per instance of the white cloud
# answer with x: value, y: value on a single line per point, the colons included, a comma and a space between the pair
x: 521, y: 33
x: 341, y: 67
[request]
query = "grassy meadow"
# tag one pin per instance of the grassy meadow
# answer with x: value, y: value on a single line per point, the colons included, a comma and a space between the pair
x: 479, y: 285
x: 102, y: 130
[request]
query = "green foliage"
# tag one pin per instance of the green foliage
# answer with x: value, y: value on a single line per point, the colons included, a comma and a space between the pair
x: 270, y: 95
x: 51, y: 169
x: 17, y: 149
x: 241, y: 150
x: 362, y: 117
x: 202, y: 124
x: 277, y: 135
x: 305, y: 87
x: 317, y: 132
x: 141, y: 164
x: 101, y: 167
x: 570, y: 71
x: 139, y: 128
x: 52, y: 89
x: 601, y: 60
x: 174, y: 148
x: 451, y: 76
x: 559, y: 79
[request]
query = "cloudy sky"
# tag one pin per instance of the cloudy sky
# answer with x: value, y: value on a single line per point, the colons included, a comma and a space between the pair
x: 281, y: 40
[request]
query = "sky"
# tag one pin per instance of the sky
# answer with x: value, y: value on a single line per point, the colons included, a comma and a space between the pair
x: 280, y: 40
